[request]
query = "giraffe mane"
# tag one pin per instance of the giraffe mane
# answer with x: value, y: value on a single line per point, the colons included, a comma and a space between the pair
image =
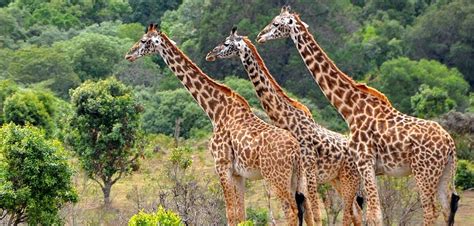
x: 360, y: 86
x: 225, y: 89
x: 277, y: 87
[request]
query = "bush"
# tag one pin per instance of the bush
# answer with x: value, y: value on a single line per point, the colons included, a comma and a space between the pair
x: 246, y: 223
x: 256, y: 217
x: 465, y: 174
x: 35, y: 179
x: 162, y: 217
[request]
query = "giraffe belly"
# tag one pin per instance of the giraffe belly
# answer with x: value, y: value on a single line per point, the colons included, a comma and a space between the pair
x: 395, y: 171
x: 249, y: 173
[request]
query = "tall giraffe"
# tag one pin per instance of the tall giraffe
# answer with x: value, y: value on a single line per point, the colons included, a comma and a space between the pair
x: 325, y: 153
x: 243, y: 146
x: 385, y: 140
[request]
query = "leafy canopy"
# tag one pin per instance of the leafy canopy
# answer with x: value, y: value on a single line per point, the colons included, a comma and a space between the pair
x: 35, y: 179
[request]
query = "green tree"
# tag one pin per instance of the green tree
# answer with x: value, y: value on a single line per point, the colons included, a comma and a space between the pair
x: 444, y: 33
x: 164, y: 109
x: 401, y: 78
x: 35, y: 179
x: 105, y: 131
x: 431, y: 102
x: 35, y: 107
x: 150, y: 11
x: 40, y: 64
x: 7, y: 88
x: 94, y: 56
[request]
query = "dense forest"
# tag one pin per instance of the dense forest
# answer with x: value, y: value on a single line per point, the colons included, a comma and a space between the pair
x: 63, y: 75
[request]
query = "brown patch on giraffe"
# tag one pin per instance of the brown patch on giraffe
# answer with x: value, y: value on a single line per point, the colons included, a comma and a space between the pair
x: 219, y: 86
x: 277, y: 87
x: 360, y: 86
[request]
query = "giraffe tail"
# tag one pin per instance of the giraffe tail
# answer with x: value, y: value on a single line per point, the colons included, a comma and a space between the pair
x: 453, y: 207
x: 300, y: 199
x: 300, y: 191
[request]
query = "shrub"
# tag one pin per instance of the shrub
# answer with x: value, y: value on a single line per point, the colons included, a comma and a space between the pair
x: 162, y: 217
x: 256, y: 216
x: 465, y: 174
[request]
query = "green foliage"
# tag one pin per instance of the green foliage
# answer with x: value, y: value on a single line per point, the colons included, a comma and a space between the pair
x: 35, y: 179
x: 164, y: 108
x: 40, y: 64
x: 180, y: 157
x: 430, y: 102
x: 150, y: 11
x: 246, y: 223
x: 444, y: 33
x: 94, y: 56
x: 401, y: 78
x: 245, y: 88
x: 7, y: 88
x: 105, y: 130
x: 465, y: 174
x: 131, y: 31
x: 161, y: 217
x: 258, y: 217
x: 38, y: 108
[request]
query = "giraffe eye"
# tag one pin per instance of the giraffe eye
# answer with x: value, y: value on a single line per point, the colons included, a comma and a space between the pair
x: 226, y: 44
x: 142, y: 41
x: 275, y: 24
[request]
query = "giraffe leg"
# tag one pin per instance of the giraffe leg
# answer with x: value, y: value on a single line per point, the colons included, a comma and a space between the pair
x: 347, y: 188
x: 427, y: 183
x: 287, y: 199
x: 228, y: 185
x: 374, y: 213
x: 313, y: 196
x: 240, y: 194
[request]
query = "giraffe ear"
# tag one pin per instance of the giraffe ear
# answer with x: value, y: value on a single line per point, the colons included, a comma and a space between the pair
x: 150, y: 27
x: 155, y: 27
x: 305, y: 24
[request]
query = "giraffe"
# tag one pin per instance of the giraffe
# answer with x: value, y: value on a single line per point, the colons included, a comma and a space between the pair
x: 243, y: 146
x: 383, y: 140
x: 326, y: 157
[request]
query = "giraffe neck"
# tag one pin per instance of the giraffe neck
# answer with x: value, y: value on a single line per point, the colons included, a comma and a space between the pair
x: 273, y: 99
x: 214, y: 98
x: 344, y: 94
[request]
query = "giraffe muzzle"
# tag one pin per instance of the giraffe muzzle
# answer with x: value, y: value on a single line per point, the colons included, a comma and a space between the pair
x: 130, y: 58
x: 210, y: 57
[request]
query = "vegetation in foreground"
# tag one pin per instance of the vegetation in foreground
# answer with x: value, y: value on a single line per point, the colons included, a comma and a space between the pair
x: 419, y: 53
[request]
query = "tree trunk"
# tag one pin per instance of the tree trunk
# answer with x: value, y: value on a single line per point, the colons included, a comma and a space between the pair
x: 106, y: 191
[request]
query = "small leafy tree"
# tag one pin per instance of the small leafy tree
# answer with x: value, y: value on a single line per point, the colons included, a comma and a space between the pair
x: 34, y: 107
x: 161, y: 217
x: 105, y: 128
x: 430, y: 102
x: 35, y: 180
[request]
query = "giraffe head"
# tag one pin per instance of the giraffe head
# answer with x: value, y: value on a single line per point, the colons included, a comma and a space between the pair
x: 150, y: 43
x: 230, y: 48
x: 280, y: 27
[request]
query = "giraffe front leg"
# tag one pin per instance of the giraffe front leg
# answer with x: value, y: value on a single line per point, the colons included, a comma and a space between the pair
x: 229, y: 187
